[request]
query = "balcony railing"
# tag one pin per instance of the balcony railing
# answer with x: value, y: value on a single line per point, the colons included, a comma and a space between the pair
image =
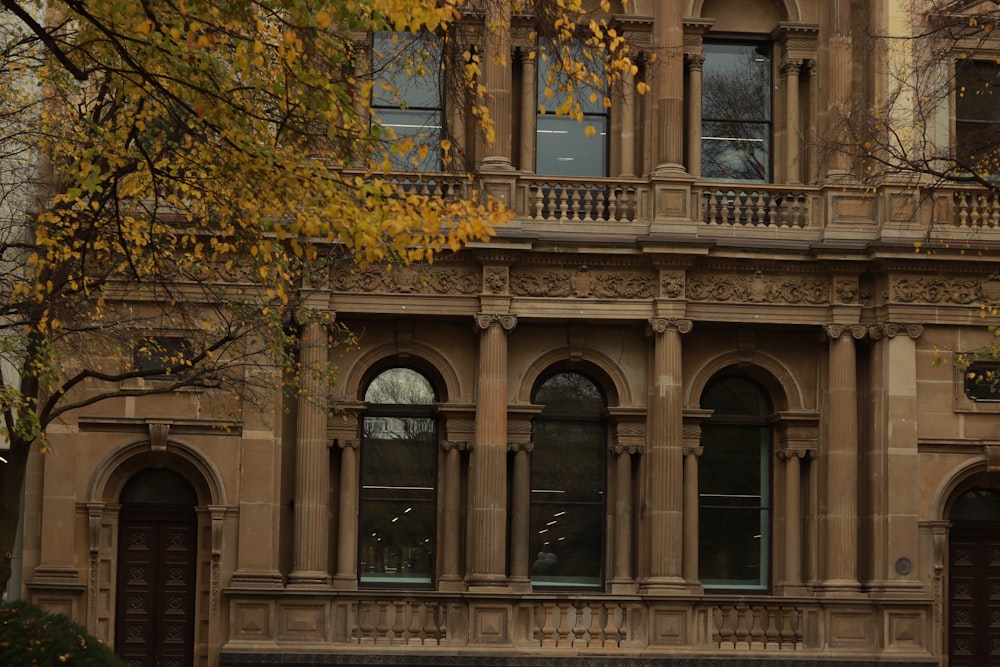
x: 579, y: 200
x: 976, y: 210
x: 751, y: 206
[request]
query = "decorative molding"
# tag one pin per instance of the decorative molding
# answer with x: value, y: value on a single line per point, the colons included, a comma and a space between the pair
x: 526, y: 447
x: 759, y: 288
x: 672, y: 284
x: 845, y: 290
x: 495, y: 280
x: 584, y: 282
x: 693, y: 451
x: 961, y: 291
x: 664, y: 324
x: 856, y: 331
x: 892, y: 329
x: 505, y: 320
x: 413, y: 279
x: 460, y: 445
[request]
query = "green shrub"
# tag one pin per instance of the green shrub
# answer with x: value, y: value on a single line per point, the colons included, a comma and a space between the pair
x: 31, y: 637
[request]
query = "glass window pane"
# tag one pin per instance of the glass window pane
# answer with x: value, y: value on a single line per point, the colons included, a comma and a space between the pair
x: 564, y: 149
x: 735, y: 150
x: 977, y: 505
x: 982, y: 381
x: 401, y: 386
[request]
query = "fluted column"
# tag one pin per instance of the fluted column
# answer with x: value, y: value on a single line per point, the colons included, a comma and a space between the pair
x: 790, y: 69
x: 497, y: 77
x: 529, y: 106
x: 665, y: 470
x: 841, y: 507
x: 520, y: 502
x: 623, y: 515
x: 696, y: 63
x: 312, y: 463
x: 668, y: 91
x: 840, y: 48
x: 627, y: 148
x: 793, y: 514
x: 488, y: 460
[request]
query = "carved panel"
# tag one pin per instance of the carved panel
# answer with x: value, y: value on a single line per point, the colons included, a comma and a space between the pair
x: 669, y: 627
x: 848, y: 629
x: 490, y: 625
x: 417, y: 279
x: 584, y: 282
x: 302, y: 622
x: 936, y: 290
x: 758, y: 288
x: 251, y: 620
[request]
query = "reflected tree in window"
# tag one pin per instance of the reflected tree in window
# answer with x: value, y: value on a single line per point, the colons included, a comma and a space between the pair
x: 736, y: 112
x: 734, y: 475
x: 398, y: 475
x: 567, y: 482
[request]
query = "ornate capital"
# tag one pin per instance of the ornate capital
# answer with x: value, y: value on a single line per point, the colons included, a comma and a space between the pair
x: 693, y: 451
x: 891, y: 329
x: 695, y: 61
x: 348, y: 443
x: 795, y: 452
x: 448, y: 445
x: 521, y: 447
x: 664, y: 324
x: 834, y: 331
x: 791, y: 65
x: 621, y: 448
x: 486, y: 320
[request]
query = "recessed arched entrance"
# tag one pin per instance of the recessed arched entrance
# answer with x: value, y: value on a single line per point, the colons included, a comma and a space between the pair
x: 974, y: 579
x: 157, y: 566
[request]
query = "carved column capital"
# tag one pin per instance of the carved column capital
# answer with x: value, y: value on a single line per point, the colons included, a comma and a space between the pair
x: 504, y: 320
x: 664, y: 324
x: 795, y: 452
x: 695, y: 61
x: 347, y: 443
x: 623, y: 448
x: 521, y: 447
x: 891, y: 329
x: 835, y: 331
x: 460, y: 445
x: 791, y: 65
x: 693, y: 451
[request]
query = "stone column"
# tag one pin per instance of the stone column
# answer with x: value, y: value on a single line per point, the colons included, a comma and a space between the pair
x: 840, y: 47
x: 840, y: 518
x: 790, y: 69
x: 498, y: 79
x: 488, y: 460
x: 696, y: 63
x: 346, y: 577
x: 628, y: 126
x: 665, y: 469
x: 451, y: 578
x: 690, y: 518
x: 529, y: 106
x: 793, y: 515
x: 813, y: 87
x: 312, y: 463
x: 520, y: 504
x: 668, y: 89
x: 623, y: 579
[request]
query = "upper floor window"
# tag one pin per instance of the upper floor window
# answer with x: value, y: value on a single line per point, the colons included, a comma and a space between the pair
x: 396, y: 517
x: 568, y: 144
x: 567, y: 483
x: 982, y: 381
x: 162, y: 356
x: 734, y: 486
x: 736, y: 112
x: 407, y: 98
x: 977, y: 115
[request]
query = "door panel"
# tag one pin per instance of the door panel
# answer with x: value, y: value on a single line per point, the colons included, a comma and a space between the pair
x: 156, y: 587
x: 974, y: 594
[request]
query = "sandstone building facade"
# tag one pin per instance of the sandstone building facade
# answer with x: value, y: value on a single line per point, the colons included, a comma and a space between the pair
x: 686, y: 406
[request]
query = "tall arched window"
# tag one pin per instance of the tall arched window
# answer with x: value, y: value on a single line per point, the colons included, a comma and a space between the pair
x: 734, y: 485
x: 567, y: 482
x: 398, y: 474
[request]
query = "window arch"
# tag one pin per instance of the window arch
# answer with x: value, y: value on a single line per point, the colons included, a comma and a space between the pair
x: 568, y: 466
x: 734, y: 485
x: 398, y: 478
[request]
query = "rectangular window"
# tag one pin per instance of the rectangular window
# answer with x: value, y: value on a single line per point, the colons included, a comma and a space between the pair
x: 162, y: 356
x: 977, y: 115
x: 566, y: 145
x: 407, y: 99
x: 736, y: 112
x: 982, y: 381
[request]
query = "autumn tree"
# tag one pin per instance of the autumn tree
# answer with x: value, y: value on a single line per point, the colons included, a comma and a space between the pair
x: 177, y: 176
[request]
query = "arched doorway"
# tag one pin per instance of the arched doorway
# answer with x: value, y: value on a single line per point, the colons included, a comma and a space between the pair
x: 974, y: 579
x: 157, y: 555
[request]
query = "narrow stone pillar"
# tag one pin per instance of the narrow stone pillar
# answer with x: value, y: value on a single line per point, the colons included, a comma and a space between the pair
x: 813, y: 88
x: 665, y: 427
x: 488, y: 459
x: 696, y: 63
x: 529, y: 106
x: 498, y: 79
x: 312, y: 463
x: 623, y: 516
x: 790, y: 69
x: 690, y: 521
x: 520, y: 503
x: 668, y: 89
x: 451, y: 544
x: 627, y: 148
x: 840, y: 47
x: 346, y: 577
x: 793, y: 515
x: 840, y: 518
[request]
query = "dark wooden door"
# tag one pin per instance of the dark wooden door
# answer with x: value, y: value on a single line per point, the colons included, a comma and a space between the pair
x: 156, y: 585
x: 974, y: 594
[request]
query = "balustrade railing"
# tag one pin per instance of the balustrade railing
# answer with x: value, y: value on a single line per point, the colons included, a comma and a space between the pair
x: 399, y: 622
x: 579, y: 624
x: 765, y: 206
x: 748, y: 627
x: 976, y: 210
x: 579, y: 200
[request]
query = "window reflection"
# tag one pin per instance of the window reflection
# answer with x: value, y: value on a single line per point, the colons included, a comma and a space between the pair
x: 567, y: 483
x: 977, y: 114
x: 734, y: 486
x: 736, y: 112
x: 398, y: 474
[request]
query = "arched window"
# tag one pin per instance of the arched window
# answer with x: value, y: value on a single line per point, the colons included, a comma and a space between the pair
x: 398, y: 475
x: 734, y: 485
x: 567, y: 482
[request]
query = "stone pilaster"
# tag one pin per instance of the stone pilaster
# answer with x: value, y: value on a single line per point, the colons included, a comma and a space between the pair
x: 665, y: 466
x: 839, y: 48
x: 529, y: 109
x: 488, y: 460
x: 695, y: 63
x: 450, y: 577
x: 668, y: 88
x: 790, y: 68
x: 692, y: 451
x: 498, y: 79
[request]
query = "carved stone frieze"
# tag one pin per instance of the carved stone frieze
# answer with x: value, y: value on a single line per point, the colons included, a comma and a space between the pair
x: 758, y: 288
x: 672, y: 284
x: 845, y: 290
x: 937, y: 290
x: 892, y: 329
x: 417, y: 279
x: 584, y: 282
x: 495, y: 280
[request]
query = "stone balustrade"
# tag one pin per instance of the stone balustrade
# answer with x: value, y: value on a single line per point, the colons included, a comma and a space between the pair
x: 755, y: 206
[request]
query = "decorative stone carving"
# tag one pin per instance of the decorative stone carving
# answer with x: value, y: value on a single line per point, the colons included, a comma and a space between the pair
x: 845, y: 290
x: 891, y: 329
x: 448, y: 445
x: 672, y: 284
x: 582, y: 283
x: 495, y: 280
x: 835, y: 331
x: 521, y: 447
x: 936, y: 290
x: 758, y: 289
x: 417, y: 279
